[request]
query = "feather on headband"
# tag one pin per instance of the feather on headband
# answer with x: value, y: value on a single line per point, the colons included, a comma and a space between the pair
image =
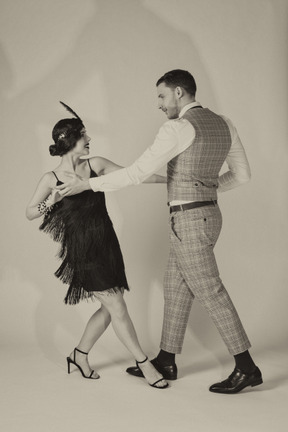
x: 71, y: 111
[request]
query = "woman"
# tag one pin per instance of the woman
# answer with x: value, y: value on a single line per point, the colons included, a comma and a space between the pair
x: 92, y: 262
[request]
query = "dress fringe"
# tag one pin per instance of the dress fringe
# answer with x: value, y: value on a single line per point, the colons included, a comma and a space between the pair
x: 91, y: 257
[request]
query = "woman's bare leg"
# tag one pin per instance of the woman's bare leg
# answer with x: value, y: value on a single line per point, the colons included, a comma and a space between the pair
x: 124, y: 329
x: 95, y: 327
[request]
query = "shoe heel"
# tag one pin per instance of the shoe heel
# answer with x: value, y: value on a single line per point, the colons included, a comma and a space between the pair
x: 258, y: 382
x: 68, y: 364
x: 70, y: 360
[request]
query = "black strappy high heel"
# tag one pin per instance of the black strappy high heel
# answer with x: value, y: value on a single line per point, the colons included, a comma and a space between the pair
x: 156, y: 382
x: 73, y: 361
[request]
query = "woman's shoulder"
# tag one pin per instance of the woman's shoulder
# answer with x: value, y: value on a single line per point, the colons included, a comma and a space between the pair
x: 49, y: 179
x: 97, y: 164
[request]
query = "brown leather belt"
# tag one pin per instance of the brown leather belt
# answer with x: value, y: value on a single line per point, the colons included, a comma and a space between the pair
x: 191, y: 205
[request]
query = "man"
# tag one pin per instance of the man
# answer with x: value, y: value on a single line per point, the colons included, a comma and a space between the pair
x: 194, y: 142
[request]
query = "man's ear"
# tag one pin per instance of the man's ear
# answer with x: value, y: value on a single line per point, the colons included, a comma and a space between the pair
x: 179, y: 92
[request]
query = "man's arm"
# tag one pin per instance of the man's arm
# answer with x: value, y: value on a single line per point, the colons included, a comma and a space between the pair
x: 156, y: 178
x: 239, y: 170
x: 172, y: 139
x: 105, y: 166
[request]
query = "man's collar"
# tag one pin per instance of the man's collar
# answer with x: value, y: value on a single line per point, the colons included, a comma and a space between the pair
x: 187, y: 107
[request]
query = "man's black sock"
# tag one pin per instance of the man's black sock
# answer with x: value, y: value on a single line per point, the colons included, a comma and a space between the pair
x: 244, y: 362
x: 165, y: 358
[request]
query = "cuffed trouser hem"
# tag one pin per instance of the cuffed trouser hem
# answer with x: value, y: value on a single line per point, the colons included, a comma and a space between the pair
x: 240, y: 350
x: 178, y: 350
x: 171, y: 349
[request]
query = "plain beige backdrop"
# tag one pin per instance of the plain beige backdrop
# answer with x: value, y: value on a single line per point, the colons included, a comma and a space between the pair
x: 103, y: 58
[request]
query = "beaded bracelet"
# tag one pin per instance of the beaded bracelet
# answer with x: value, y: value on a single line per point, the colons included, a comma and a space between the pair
x: 42, y: 207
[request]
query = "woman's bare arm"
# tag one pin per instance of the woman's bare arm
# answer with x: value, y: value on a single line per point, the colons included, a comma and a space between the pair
x: 104, y: 166
x: 43, y: 190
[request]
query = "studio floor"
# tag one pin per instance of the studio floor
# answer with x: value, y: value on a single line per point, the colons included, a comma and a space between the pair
x: 37, y: 394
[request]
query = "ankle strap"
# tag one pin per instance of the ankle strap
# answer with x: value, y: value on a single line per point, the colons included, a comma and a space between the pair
x: 82, y: 352
x: 139, y: 362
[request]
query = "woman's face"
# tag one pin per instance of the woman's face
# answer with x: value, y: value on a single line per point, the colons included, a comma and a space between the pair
x: 82, y: 146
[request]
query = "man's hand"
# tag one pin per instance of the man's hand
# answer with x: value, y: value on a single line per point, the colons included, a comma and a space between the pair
x: 75, y: 186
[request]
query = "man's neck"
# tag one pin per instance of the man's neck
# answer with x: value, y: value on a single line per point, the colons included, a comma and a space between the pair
x: 188, y: 106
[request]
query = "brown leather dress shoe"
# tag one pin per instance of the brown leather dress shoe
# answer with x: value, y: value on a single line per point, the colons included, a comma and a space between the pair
x: 237, y: 381
x: 169, y: 372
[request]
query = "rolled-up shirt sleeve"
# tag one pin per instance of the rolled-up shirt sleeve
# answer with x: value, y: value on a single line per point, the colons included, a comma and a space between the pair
x: 172, y: 139
x: 239, y: 170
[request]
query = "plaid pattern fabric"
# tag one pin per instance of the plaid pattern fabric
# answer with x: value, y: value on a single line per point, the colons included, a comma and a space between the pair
x: 192, y: 272
x: 193, y: 174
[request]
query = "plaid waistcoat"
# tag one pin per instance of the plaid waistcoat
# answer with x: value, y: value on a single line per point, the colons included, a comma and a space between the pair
x: 193, y: 174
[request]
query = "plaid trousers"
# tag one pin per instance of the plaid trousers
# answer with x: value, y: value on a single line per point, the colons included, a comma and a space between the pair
x: 192, y: 272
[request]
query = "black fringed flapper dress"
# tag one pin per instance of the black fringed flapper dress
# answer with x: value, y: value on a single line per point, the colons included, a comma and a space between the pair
x: 91, y: 256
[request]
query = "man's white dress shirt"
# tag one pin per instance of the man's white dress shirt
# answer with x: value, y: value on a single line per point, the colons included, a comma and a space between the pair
x: 173, y: 138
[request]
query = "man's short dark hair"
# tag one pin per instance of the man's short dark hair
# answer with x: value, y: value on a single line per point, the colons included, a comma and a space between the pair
x: 179, y: 78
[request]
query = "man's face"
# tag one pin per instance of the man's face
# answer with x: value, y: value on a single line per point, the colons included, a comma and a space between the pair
x: 168, y: 101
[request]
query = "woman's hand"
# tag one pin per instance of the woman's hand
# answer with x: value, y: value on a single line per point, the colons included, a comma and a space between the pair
x: 54, y: 197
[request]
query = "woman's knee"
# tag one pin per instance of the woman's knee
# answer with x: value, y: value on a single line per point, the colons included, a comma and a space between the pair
x: 115, y: 305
